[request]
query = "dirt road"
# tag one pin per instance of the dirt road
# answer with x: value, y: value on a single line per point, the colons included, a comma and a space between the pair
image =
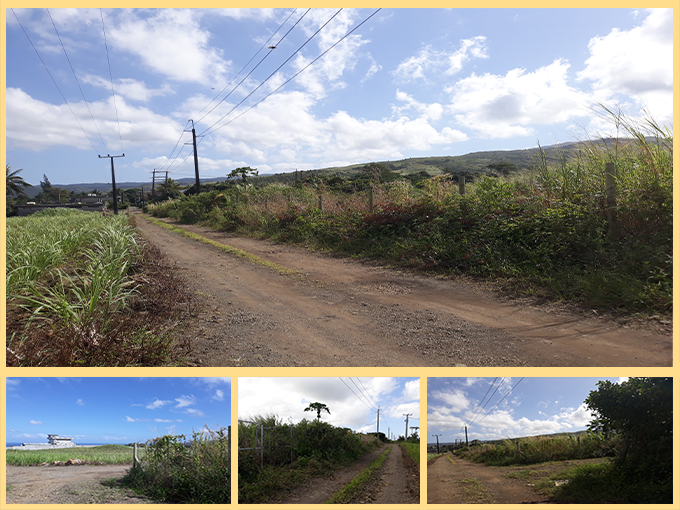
x: 394, y: 483
x: 458, y: 481
x: 341, y: 312
x: 69, y: 485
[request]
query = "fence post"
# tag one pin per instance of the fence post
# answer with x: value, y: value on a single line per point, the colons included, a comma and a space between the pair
x: 370, y: 199
x: 461, y: 185
x: 135, y: 460
x: 320, y: 203
x: 612, y: 220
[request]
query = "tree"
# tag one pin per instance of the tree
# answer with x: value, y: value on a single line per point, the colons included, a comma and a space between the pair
x: 45, y: 184
x: 15, y: 184
x: 318, y: 407
x: 640, y: 411
x: 169, y: 189
x: 243, y: 173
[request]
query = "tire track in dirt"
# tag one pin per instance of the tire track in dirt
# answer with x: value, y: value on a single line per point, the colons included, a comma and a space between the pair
x: 393, y: 480
x: 452, y: 483
x: 320, y: 490
x: 348, y: 313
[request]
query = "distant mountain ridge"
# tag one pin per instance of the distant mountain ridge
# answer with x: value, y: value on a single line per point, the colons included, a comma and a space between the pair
x: 434, y: 165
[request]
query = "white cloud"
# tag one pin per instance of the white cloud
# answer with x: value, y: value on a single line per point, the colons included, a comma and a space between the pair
x: 171, y: 43
x: 505, y: 106
x: 193, y: 412
x: 80, y: 402
x: 156, y: 404
x: 219, y: 396
x: 36, y: 125
x: 455, y: 400
x: 34, y: 422
x: 432, y: 60
x: 160, y: 420
x: 128, y: 419
x: 128, y: 87
x: 412, y: 390
x: 185, y: 400
x: 636, y: 62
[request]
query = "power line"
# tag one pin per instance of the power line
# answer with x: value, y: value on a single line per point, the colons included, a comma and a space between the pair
x: 291, y: 78
x: 363, y: 393
x: 368, y: 392
x: 55, y: 82
x: 76, y: 78
x: 271, y: 48
x: 350, y: 389
x: 120, y: 136
x: 207, y: 131
x: 479, y: 406
x: 501, y: 400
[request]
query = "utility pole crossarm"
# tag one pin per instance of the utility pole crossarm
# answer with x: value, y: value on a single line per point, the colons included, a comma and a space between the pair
x: 113, y: 181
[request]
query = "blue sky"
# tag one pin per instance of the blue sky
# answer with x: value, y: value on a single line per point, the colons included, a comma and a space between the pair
x: 536, y: 405
x: 407, y: 83
x: 353, y: 401
x: 114, y: 410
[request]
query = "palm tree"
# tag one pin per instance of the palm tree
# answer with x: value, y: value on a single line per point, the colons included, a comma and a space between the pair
x: 318, y: 407
x: 16, y: 183
x: 169, y: 188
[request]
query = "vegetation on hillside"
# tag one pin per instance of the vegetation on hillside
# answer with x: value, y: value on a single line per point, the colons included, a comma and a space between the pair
x: 174, y: 470
x: 83, y: 291
x: 543, y: 232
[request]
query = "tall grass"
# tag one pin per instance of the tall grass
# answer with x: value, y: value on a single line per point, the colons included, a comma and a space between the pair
x: 106, y: 454
x: 82, y: 291
x: 317, y: 448
x: 544, y: 232
x: 176, y: 471
x: 540, y: 449
x: 71, y: 266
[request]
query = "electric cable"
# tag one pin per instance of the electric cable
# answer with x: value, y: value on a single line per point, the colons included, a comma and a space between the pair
x: 271, y: 48
x: 101, y: 12
x: 76, y: 78
x: 207, y: 131
x: 55, y: 82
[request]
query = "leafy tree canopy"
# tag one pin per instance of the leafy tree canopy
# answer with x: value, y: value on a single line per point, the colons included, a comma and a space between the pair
x: 641, y: 411
x: 318, y: 407
x: 15, y: 184
x: 243, y: 173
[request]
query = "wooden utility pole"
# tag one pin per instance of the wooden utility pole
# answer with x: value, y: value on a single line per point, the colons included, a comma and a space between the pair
x: 113, y: 182
x: 406, y: 431
x: 193, y: 134
x: 461, y: 185
x: 378, y: 425
x: 466, y: 437
x: 612, y: 220
x: 437, y: 436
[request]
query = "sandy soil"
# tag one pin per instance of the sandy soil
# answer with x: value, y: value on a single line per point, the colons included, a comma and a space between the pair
x: 341, y: 312
x: 69, y: 485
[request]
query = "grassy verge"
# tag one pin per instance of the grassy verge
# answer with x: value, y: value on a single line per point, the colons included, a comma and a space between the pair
x: 106, y: 454
x: 475, y: 492
x: 594, y: 483
x: 543, y: 233
x: 349, y: 491
x: 413, y: 451
x: 254, y: 259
